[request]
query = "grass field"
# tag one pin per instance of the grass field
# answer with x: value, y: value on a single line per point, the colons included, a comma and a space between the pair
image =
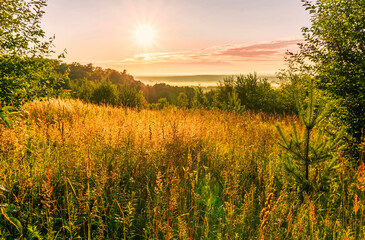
x: 71, y: 170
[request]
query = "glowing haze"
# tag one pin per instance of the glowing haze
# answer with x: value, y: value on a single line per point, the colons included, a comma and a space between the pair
x: 162, y: 37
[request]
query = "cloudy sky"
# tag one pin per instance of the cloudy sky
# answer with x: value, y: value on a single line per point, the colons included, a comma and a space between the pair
x: 162, y: 37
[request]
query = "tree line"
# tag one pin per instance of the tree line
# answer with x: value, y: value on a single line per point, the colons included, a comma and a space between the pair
x: 108, y: 86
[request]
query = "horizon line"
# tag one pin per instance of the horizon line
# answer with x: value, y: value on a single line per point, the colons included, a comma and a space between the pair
x: 201, y: 74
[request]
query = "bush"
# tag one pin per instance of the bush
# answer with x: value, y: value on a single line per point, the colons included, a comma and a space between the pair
x: 105, y: 93
x: 131, y: 97
x: 182, y: 100
x: 163, y: 103
x: 253, y: 93
x: 200, y: 100
x: 24, y: 79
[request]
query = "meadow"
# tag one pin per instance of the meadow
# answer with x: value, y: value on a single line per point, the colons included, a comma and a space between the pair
x: 72, y: 170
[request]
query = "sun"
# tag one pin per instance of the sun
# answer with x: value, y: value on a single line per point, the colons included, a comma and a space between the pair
x: 145, y: 35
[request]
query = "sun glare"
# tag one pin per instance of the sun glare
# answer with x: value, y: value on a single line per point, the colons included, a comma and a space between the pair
x: 145, y: 35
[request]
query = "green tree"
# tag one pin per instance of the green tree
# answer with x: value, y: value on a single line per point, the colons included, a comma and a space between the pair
x: 335, y: 47
x: 234, y: 103
x: 25, y: 73
x: 200, y: 100
x: 83, y: 90
x: 182, y: 100
x: 309, y: 159
x: 163, y: 103
x: 105, y: 93
x: 253, y: 92
x: 20, y: 31
x: 131, y: 97
x: 23, y: 79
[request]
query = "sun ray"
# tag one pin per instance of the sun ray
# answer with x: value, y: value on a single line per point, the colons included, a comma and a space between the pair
x: 145, y: 35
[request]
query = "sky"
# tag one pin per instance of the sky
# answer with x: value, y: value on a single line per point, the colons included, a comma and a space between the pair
x: 177, y: 37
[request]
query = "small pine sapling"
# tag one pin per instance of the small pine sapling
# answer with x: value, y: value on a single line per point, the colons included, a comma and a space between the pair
x: 234, y: 103
x: 309, y: 158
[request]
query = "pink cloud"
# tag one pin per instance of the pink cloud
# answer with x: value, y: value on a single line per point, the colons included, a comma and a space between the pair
x: 228, y: 53
x: 273, y: 45
x: 262, y: 50
x: 249, y: 54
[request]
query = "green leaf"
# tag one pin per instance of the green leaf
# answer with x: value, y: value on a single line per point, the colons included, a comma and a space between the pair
x: 280, y: 132
x: 16, y: 223
x: 7, y: 108
x: 5, y: 119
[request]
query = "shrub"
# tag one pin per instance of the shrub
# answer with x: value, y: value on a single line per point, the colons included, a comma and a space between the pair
x: 131, y: 97
x: 182, y: 100
x: 105, y: 93
x: 200, y: 100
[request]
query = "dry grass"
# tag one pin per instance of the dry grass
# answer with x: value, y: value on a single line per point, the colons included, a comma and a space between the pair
x: 96, y: 172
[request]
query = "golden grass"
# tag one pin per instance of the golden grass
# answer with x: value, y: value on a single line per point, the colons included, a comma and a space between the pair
x: 98, y: 172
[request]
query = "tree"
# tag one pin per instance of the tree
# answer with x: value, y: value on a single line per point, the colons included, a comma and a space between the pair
x: 25, y: 73
x: 335, y: 48
x: 163, y: 103
x: 23, y: 79
x: 253, y: 92
x: 199, y: 100
x: 234, y: 103
x: 105, y: 93
x: 309, y: 159
x: 131, y: 97
x: 182, y: 100
x: 20, y: 31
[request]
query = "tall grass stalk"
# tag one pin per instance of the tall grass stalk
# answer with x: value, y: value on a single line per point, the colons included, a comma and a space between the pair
x: 80, y: 171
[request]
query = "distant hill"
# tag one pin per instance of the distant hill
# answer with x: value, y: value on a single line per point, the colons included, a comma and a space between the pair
x: 192, y: 80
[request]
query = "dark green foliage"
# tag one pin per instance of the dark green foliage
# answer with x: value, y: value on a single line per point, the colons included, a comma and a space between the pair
x: 20, y: 31
x: 285, y: 95
x: 23, y: 79
x: 105, y: 93
x: 210, y: 95
x: 313, y: 152
x: 182, y: 100
x: 5, y: 113
x: 234, y: 103
x: 25, y: 73
x: 224, y: 89
x: 83, y: 90
x: 335, y: 44
x: 163, y: 103
x: 108, y: 93
x: 79, y: 73
x: 162, y: 90
x: 254, y: 93
x: 200, y: 100
x: 103, y: 86
x: 130, y: 97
